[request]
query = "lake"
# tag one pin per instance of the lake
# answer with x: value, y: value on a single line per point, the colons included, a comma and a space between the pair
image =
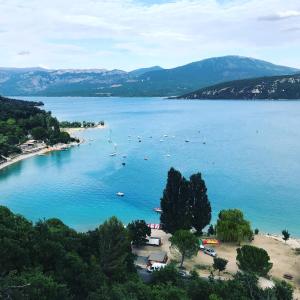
x: 247, y: 151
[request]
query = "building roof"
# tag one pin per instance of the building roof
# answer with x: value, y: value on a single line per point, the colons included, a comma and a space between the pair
x: 159, y: 256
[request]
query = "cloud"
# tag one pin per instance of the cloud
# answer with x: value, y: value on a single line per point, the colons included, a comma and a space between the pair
x: 281, y: 16
x: 132, y: 33
x: 24, y: 52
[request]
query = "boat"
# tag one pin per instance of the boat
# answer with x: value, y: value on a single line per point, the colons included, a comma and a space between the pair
x: 161, y: 140
x: 120, y: 194
x: 145, y: 158
x: 115, y: 152
x: 123, y: 164
x: 109, y: 139
x: 158, y: 210
x: 187, y: 141
x: 165, y: 135
x: 168, y: 155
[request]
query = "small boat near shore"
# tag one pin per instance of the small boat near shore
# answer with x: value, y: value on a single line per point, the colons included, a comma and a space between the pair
x: 120, y: 194
x: 158, y: 210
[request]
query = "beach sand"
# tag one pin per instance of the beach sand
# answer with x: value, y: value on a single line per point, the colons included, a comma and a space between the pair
x: 283, y: 257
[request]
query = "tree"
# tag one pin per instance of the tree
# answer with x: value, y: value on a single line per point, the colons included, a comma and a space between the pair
x: 174, y: 203
x: 211, y: 230
x: 232, y: 227
x: 283, y: 290
x: 286, y: 235
x: 184, y: 203
x: 220, y: 264
x: 186, y: 243
x: 253, y: 259
x: 113, y: 248
x: 200, y: 205
x: 138, y: 230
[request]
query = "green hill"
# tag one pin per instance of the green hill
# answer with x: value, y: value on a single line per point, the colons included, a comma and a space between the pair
x: 275, y: 87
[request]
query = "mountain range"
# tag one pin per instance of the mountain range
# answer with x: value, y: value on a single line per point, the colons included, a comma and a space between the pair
x: 153, y: 81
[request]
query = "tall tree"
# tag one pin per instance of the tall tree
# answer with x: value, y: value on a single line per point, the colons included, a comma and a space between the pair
x: 253, y: 259
x: 114, y: 249
x: 138, y: 230
x: 184, y: 203
x: 173, y: 203
x: 186, y: 243
x: 200, y: 205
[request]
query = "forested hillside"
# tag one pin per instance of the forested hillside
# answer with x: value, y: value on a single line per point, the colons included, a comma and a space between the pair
x: 275, y: 87
x: 21, y: 120
x: 50, y: 261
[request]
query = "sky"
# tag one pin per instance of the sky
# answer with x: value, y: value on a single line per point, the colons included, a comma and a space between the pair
x: 129, y: 34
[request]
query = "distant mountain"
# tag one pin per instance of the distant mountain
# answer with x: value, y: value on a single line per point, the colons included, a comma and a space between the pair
x: 153, y: 81
x: 142, y: 71
x: 275, y: 87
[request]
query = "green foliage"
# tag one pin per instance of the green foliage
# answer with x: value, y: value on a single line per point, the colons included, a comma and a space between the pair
x: 138, y: 230
x: 21, y: 119
x: 113, y: 248
x: 220, y: 264
x: 185, y: 242
x: 232, y: 227
x: 50, y: 261
x: 254, y: 259
x: 184, y: 203
x: 211, y: 230
x: 200, y: 205
x: 167, y: 275
x: 283, y: 290
x: 286, y: 235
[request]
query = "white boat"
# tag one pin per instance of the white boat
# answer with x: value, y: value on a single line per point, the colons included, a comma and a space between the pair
x: 120, y: 194
x: 109, y: 139
x: 161, y: 140
x: 115, y: 151
x: 165, y: 135
x: 168, y: 155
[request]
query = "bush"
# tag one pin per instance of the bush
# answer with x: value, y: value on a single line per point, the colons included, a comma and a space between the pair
x: 253, y: 259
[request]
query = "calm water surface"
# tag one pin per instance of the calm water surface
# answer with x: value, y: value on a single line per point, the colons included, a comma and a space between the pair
x: 250, y: 160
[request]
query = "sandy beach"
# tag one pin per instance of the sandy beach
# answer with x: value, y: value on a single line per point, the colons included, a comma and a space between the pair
x: 59, y: 147
x: 283, y: 256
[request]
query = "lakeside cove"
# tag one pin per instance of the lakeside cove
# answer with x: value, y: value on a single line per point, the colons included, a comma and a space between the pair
x: 235, y: 145
x: 42, y: 149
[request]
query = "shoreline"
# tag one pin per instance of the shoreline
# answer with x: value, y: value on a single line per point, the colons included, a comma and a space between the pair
x: 48, y: 149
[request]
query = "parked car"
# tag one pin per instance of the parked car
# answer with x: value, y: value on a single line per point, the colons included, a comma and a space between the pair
x: 210, y: 251
x: 201, y: 247
x: 155, y: 267
x: 184, y: 274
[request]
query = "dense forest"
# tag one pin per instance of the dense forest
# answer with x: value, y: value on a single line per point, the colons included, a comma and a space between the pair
x: 49, y: 260
x: 20, y: 120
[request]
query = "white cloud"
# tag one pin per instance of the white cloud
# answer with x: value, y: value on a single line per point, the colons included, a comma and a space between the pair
x: 129, y: 34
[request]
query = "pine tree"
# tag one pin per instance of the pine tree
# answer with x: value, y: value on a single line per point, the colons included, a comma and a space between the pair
x: 170, y: 203
x: 200, y: 205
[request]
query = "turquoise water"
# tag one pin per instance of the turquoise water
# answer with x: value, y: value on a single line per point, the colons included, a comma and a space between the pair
x: 250, y: 161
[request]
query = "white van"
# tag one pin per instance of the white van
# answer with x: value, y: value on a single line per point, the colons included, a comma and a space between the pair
x: 155, y: 267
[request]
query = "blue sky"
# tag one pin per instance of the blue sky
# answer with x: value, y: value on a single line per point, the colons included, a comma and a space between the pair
x: 129, y: 34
